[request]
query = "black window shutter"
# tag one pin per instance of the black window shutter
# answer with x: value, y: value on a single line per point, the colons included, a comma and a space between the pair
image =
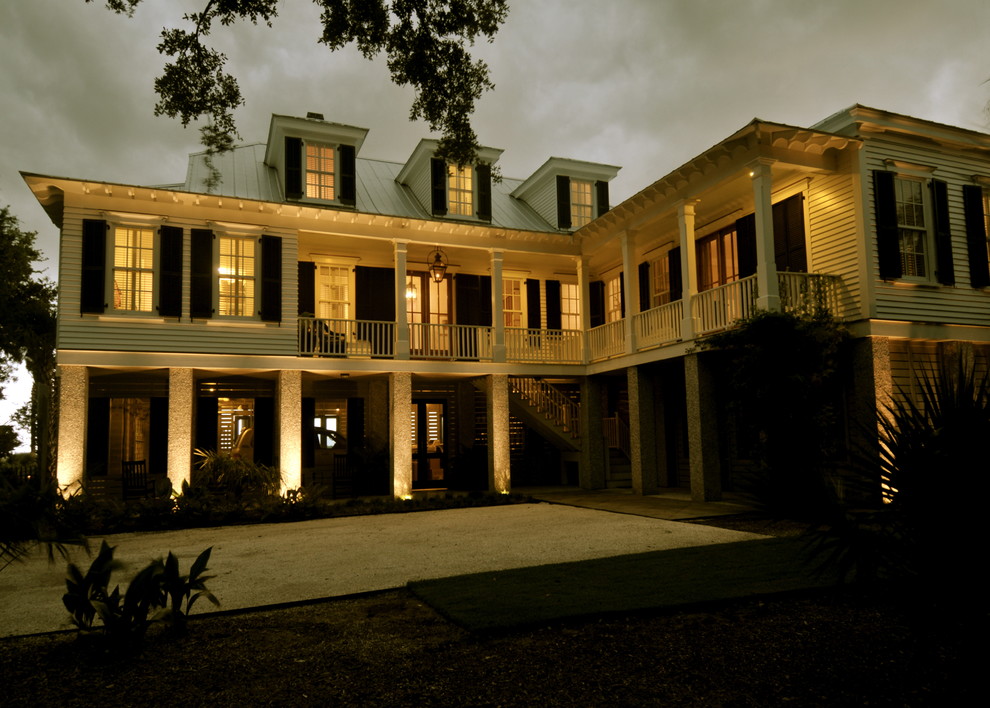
x: 97, y: 437
x: 170, y: 272
x: 485, y: 311
x: 438, y: 183
x: 532, y: 303
x: 622, y: 296
x: 201, y: 273
x: 271, y: 278
x: 888, y: 241
x: 563, y: 202
x: 552, y: 288
x: 976, y: 236
x: 264, y: 431
x: 293, y: 168
x: 158, y: 440
x: 944, y: 269
x: 601, y: 194
x: 644, y: 286
x: 207, y: 417
x: 484, y: 176
x: 306, y: 283
x: 348, y: 175
x: 374, y: 290
x: 308, y: 432
x: 596, y: 304
x: 746, y: 245
x: 355, y: 423
x: 674, y: 270
x: 92, y: 295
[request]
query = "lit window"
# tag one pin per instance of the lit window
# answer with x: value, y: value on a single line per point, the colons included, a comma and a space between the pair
x: 460, y: 195
x: 319, y: 171
x: 718, y: 262
x: 660, y: 285
x: 911, y: 226
x: 334, y: 284
x: 237, y: 276
x: 580, y: 202
x: 512, y: 302
x: 133, y: 269
x: 570, y: 306
x: 613, y: 299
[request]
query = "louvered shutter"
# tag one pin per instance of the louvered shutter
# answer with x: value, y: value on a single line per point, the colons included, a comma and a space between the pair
x: 563, y: 202
x: 533, y: 303
x: 92, y: 295
x: 674, y: 270
x: 596, y: 304
x: 306, y: 287
x: 601, y: 194
x: 644, y: 286
x: 170, y: 271
x: 888, y: 241
x: 552, y: 288
x: 484, y: 177
x: 746, y: 245
x: 944, y: 268
x: 348, y: 175
x: 438, y: 184
x: 271, y: 279
x: 293, y: 168
x: 976, y: 236
x: 201, y: 274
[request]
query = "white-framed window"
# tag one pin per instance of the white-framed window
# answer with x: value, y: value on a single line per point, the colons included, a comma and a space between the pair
x: 460, y: 190
x: 570, y: 306
x: 660, y: 281
x: 320, y: 161
x: 912, y: 227
x: 333, y: 291
x: 613, y: 299
x: 237, y: 274
x: 133, y: 268
x: 513, y: 304
x: 581, y: 202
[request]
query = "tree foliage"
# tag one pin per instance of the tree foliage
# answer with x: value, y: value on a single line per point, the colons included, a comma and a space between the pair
x: 425, y: 43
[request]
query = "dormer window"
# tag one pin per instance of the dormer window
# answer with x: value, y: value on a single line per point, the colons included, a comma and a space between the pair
x: 320, y: 182
x: 581, y: 202
x: 460, y: 191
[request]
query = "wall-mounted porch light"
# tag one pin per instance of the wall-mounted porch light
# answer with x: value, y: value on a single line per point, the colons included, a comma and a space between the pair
x: 437, y: 262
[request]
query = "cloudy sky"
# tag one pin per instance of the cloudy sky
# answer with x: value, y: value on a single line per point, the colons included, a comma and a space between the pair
x: 644, y: 84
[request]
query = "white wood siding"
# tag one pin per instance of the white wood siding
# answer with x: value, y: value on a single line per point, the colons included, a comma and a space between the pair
x: 544, y: 201
x: 832, y: 229
x: 959, y: 304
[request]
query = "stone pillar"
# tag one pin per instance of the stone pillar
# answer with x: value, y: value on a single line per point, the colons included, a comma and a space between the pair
x: 872, y: 389
x: 630, y: 278
x: 689, y: 266
x: 400, y: 403
x: 401, y: 316
x: 706, y: 477
x: 593, y: 452
x: 290, y: 429
x: 768, y: 295
x: 181, y: 414
x: 497, y: 413
x: 643, y: 432
x: 73, y: 405
x: 376, y: 426
x: 498, y: 319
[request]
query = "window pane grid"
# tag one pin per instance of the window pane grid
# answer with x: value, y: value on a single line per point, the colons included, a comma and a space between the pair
x: 512, y: 302
x: 334, y: 298
x: 236, y: 276
x: 913, y: 231
x: 319, y: 171
x: 580, y: 202
x: 133, y: 264
x: 660, y: 289
x: 613, y: 299
x: 570, y: 306
x: 459, y: 190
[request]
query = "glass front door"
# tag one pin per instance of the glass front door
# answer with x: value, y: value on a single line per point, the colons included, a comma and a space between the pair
x: 428, y: 427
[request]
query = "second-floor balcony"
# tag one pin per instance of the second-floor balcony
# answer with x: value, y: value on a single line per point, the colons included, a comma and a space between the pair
x: 711, y: 311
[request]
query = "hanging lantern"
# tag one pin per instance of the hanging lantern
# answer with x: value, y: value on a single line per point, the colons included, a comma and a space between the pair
x: 437, y: 262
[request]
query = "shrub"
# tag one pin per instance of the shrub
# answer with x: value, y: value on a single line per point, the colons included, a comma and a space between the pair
x: 30, y: 513
x: 222, y: 472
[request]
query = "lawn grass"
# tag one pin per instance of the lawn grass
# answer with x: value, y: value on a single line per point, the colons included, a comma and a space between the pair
x: 523, y: 597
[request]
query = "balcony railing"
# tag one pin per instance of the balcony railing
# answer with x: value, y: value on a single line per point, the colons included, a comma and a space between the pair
x: 450, y: 341
x: 543, y: 346
x: 716, y: 309
x: 807, y: 293
x: 350, y: 338
x: 659, y: 326
x: 606, y: 341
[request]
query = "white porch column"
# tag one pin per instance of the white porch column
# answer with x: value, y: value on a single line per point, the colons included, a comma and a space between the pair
x: 181, y: 413
x: 630, y: 282
x: 400, y: 401
x: 584, y: 295
x: 689, y: 265
x: 290, y: 429
x: 401, y: 316
x: 73, y: 399
x: 768, y: 294
x: 497, y: 413
x: 498, y: 319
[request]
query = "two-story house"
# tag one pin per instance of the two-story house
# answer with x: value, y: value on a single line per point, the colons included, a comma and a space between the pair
x: 392, y: 327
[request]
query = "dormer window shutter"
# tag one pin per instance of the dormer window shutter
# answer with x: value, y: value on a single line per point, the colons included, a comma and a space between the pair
x: 563, y: 202
x: 945, y: 271
x: 484, y: 177
x: 92, y: 295
x: 201, y: 274
x: 170, y: 272
x: 976, y: 236
x: 438, y: 182
x: 888, y: 241
x: 601, y: 194
x: 271, y: 279
x: 293, y: 168
x: 348, y: 175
